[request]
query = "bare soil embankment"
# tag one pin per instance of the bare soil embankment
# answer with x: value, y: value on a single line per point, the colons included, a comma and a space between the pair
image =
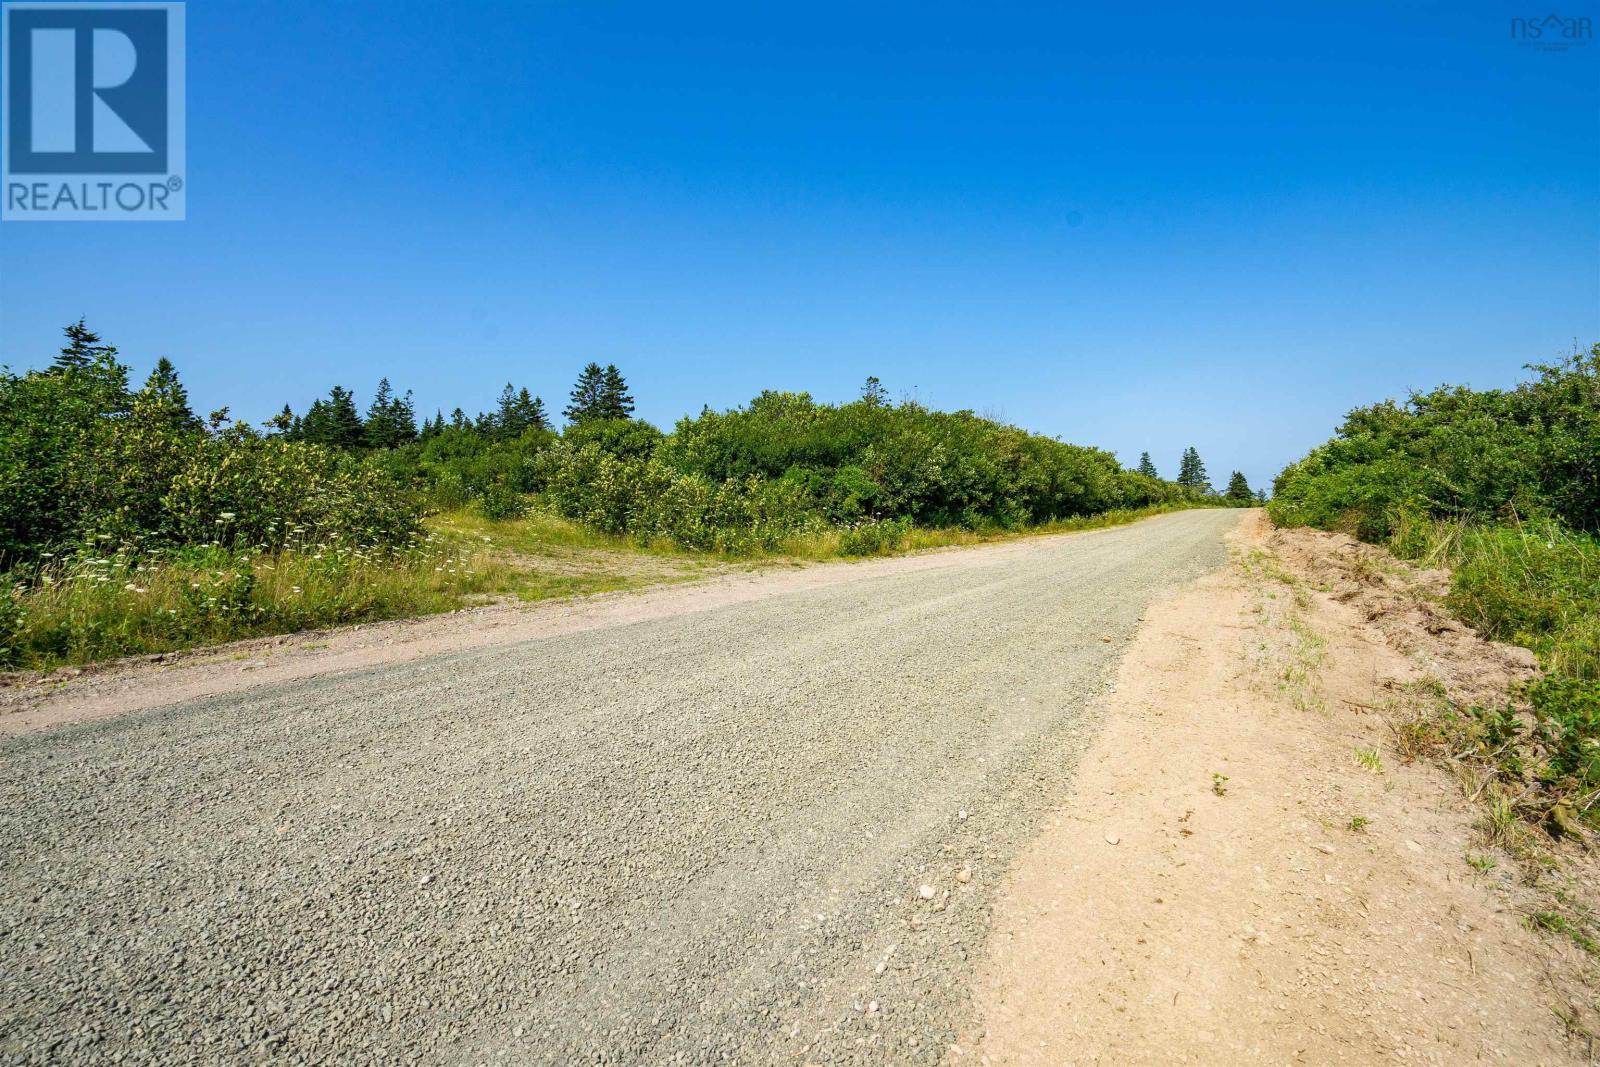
x: 1247, y: 870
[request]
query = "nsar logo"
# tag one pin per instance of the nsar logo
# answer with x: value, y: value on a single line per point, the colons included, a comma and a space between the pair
x: 94, y: 118
x: 1552, y: 33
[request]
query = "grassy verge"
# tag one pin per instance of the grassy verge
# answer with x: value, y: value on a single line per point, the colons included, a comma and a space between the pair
x: 102, y: 605
x: 1537, y: 585
x: 91, y: 606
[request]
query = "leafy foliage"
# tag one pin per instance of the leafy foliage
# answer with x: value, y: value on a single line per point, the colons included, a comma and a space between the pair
x: 1504, y: 486
x: 1458, y: 453
x: 100, y: 483
x: 84, y: 461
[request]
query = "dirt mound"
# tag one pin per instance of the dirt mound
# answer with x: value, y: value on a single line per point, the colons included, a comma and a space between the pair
x: 1406, y: 605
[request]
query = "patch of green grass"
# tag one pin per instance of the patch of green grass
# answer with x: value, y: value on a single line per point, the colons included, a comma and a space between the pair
x: 1369, y: 758
x: 1557, y: 923
x: 1359, y: 823
x: 1480, y: 863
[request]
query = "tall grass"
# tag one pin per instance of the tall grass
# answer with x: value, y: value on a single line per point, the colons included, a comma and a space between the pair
x: 1535, y: 584
x: 98, y: 606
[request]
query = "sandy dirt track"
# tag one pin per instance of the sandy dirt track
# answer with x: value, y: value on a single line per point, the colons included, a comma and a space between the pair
x: 1228, y: 882
x: 757, y: 826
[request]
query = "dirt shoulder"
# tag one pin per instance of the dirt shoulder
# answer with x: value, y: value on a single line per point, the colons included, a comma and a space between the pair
x: 1249, y: 871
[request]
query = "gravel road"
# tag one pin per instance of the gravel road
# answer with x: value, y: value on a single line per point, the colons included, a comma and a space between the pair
x: 696, y: 839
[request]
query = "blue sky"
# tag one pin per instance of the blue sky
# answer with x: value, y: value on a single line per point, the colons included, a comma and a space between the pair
x: 1138, y: 228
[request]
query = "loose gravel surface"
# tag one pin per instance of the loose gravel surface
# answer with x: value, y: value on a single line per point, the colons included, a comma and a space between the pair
x: 764, y: 833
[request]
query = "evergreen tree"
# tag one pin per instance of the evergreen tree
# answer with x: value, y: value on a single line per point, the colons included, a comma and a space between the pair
x: 165, y: 398
x: 83, y: 348
x: 404, y: 414
x: 1192, y: 471
x: 1238, y: 491
x: 458, y: 419
x: 873, y: 393
x: 1147, y: 466
x: 615, y: 400
x: 391, y: 420
x: 531, y: 409
x: 97, y: 368
x: 588, y: 396
x: 334, y: 421
x: 508, y: 420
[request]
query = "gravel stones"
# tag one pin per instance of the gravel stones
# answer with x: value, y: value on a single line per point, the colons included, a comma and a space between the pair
x: 642, y: 844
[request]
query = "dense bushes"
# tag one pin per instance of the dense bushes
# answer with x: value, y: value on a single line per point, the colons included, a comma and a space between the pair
x: 84, y: 460
x: 1504, y: 487
x: 129, y: 524
x: 749, y: 478
x: 1458, y: 453
x: 87, y: 460
x: 871, y: 460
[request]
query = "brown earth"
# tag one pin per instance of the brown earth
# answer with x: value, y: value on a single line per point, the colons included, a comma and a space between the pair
x: 1248, y: 872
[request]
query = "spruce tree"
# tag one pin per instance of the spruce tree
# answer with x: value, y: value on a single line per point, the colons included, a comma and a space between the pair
x: 531, y: 410
x: 334, y: 421
x: 379, y: 429
x: 96, y: 366
x: 285, y: 424
x: 1238, y: 491
x: 873, y: 393
x: 1192, y: 472
x: 83, y: 348
x: 615, y: 400
x: 1147, y: 466
x: 508, y: 420
x: 165, y: 397
x: 588, y: 396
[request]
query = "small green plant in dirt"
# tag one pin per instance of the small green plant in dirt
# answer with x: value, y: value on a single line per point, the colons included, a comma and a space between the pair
x: 1370, y: 760
x: 1359, y: 824
x: 1557, y: 923
x: 1480, y: 863
x: 1219, y: 784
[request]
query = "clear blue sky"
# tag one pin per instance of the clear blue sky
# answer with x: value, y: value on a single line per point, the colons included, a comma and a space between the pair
x: 1135, y: 227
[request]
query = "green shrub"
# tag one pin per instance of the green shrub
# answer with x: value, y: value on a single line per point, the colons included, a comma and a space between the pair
x: 1504, y: 488
x: 1567, y: 713
x: 501, y: 502
x: 873, y: 538
x: 1457, y: 453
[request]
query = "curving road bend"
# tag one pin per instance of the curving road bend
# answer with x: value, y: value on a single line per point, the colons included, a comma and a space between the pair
x: 695, y: 839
